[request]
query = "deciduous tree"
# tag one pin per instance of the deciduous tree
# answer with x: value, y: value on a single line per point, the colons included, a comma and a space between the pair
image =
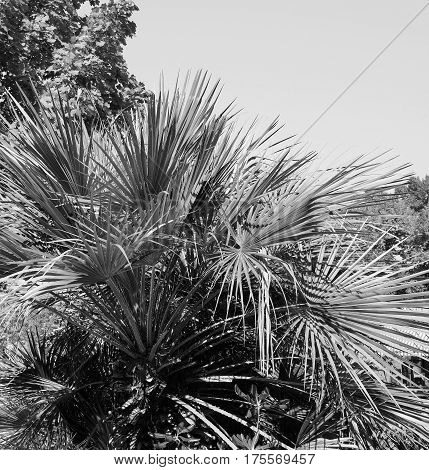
x: 66, y: 49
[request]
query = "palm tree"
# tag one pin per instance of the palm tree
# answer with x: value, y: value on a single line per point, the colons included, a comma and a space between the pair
x: 215, y: 289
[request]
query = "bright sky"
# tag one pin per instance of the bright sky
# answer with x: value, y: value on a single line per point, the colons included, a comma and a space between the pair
x: 292, y: 58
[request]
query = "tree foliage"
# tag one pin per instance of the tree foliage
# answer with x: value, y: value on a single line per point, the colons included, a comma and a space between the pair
x: 61, y: 50
x: 405, y: 215
x: 217, y: 287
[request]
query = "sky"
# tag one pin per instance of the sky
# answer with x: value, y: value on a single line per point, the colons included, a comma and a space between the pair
x: 293, y: 58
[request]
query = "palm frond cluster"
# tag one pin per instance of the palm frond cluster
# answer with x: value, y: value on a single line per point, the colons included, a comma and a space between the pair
x: 214, y: 289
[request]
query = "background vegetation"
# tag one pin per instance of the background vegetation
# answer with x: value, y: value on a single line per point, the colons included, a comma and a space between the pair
x: 59, y: 46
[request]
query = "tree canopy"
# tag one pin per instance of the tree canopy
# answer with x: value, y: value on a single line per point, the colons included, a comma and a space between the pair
x: 63, y: 48
x: 405, y: 215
